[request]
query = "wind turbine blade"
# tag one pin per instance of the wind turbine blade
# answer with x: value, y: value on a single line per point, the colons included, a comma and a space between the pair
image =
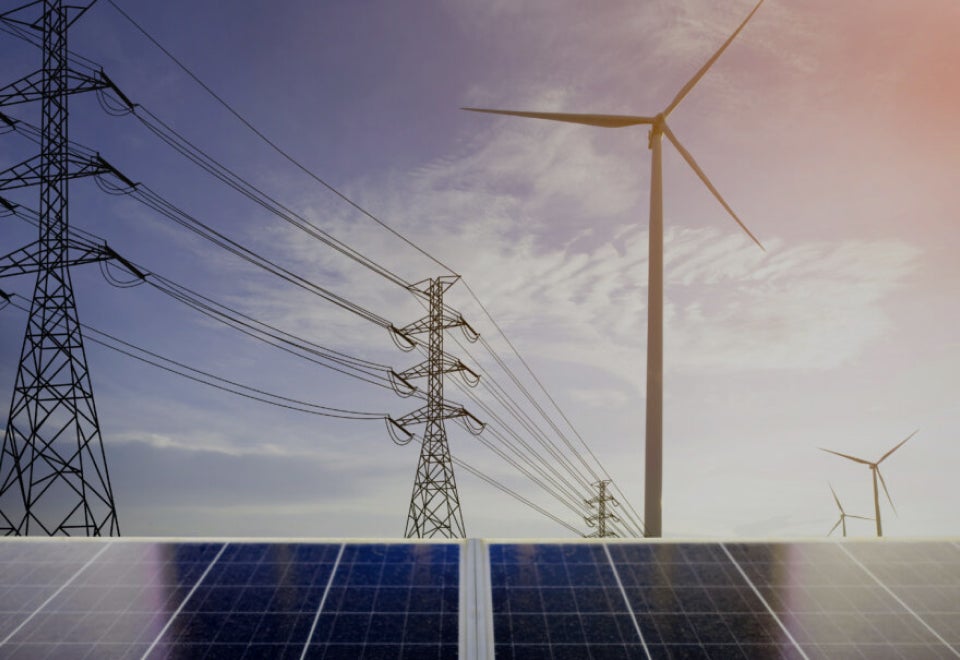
x: 852, y: 458
x: 835, y: 498
x: 834, y: 528
x: 604, y: 121
x: 850, y: 515
x: 886, y: 492
x: 902, y: 442
x: 696, y: 78
x: 703, y: 177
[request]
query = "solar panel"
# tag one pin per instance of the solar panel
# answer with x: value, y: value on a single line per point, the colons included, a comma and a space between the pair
x: 924, y: 577
x: 559, y: 601
x: 255, y: 600
x: 391, y: 601
x: 112, y: 604
x: 129, y: 598
x: 831, y: 605
x: 690, y: 600
x: 31, y: 573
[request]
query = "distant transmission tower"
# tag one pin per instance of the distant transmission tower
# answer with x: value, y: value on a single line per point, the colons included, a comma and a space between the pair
x: 435, y: 504
x: 53, y: 471
x: 600, y: 518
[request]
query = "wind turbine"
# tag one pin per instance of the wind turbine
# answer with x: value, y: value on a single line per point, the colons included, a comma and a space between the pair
x: 875, y: 469
x: 843, y: 515
x: 653, y: 484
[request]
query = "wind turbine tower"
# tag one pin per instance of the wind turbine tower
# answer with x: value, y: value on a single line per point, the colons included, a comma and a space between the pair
x: 653, y: 471
x: 875, y: 471
x: 842, y: 522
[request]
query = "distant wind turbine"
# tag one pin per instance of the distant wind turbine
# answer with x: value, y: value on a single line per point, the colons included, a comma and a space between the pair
x: 842, y: 522
x: 653, y: 484
x: 875, y: 470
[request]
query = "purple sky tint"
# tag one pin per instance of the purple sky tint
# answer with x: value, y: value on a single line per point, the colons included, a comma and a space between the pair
x: 830, y: 128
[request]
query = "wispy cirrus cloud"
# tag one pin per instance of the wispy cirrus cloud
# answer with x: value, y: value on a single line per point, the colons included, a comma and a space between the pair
x: 579, y: 294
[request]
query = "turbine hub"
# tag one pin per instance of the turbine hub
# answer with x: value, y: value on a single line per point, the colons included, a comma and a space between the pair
x: 656, y: 129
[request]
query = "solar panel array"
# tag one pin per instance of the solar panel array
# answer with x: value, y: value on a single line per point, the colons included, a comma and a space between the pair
x: 596, y: 600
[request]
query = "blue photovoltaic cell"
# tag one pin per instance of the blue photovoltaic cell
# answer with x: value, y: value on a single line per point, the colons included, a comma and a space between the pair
x: 396, y: 602
x: 258, y: 600
x: 558, y: 601
x: 832, y: 606
x: 690, y: 601
x: 114, y: 606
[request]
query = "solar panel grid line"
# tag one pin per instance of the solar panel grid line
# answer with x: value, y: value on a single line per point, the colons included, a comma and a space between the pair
x: 899, y: 600
x: 690, y: 601
x: 558, y: 600
x: 396, y: 600
x: 763, y: 600
x: 626, y: 601
x: 832, y: 607
x: 323, y: 600
x: 115, y: 607
x: 259, y: 601
x: 179, y: 609
x: 55, y: 594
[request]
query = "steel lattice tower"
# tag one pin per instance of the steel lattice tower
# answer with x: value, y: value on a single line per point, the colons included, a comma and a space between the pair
x: 600, y: 518
x: 435, y: 503
x: 53, y: 470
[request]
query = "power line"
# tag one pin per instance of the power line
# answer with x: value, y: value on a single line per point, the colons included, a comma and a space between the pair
x: 201, y: 158
x: 151, y: 199
x: 190, y: 151
x: 218, y: 382
x: 274, y: 145
x: 22, y: 212
x: 549, y: 397
x: 148, y: 197
x: 365, y: 370
x: 489, y: 383
x: 515, y: 495
x: 257, y: 394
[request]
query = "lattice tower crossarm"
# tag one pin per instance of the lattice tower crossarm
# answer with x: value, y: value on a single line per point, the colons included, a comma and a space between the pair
x: 53, y: 470
x: 435, y: 503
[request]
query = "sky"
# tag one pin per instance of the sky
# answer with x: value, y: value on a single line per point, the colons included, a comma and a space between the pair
x: 829, y: 127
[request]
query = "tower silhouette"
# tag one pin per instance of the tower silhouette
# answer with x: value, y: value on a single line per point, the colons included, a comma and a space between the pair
x: 53, y: 470
x: 603, y: 514
x: 435, y: 503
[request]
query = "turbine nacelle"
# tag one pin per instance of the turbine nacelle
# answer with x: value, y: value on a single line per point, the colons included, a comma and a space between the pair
x: 877, y: 475
x: 658, y: 127
x: 842, y: 521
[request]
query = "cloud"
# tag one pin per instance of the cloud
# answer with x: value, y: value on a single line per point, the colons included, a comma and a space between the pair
x: 600, y: 397
x: 539, y: 219
x: 211, y: 443
x: 808, y: 307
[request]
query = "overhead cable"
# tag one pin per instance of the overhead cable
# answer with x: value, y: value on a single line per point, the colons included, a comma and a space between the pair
x: 273, y: 145
x: 365, y: 370
x: 212, y: 380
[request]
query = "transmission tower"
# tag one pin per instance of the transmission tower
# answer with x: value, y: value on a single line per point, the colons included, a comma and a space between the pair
x: 53, y: 470
x: 435, y: 504
x: 600, y: 518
